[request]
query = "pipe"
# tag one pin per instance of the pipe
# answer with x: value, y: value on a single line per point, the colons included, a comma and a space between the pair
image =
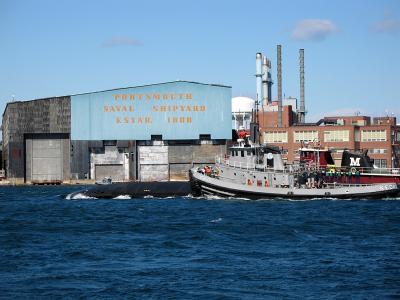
x: 265, y: 72
x: 269, y: 83
x: 259, y: 77
x: 279, y: 75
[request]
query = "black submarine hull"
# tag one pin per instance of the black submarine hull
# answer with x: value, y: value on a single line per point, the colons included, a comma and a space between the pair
x: 138, y: 190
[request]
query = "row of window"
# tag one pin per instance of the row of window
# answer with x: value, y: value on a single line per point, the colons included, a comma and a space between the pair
x: 329, y: 136
x: 377, y: 151
x: 373, y: 135
x: 243, y: 153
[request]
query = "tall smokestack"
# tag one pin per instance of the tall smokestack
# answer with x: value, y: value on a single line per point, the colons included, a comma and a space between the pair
x: 259, y: 77
x: 265, y: 72
x: 279, y: 74
x: 269, y: 83
x: 302, y: 111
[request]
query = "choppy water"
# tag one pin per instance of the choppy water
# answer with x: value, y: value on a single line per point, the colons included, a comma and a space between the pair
x: 52, y: 247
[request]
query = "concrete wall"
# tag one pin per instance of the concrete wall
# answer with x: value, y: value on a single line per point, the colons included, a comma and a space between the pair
x: 47, y: 160
x: 47, y: 157
x: 172, y: 162
x: 118, y: 164
x: 154, y: 160
x: 153, y: 163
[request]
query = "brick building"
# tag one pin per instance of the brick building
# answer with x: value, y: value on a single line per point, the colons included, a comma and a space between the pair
x: 381, y: 136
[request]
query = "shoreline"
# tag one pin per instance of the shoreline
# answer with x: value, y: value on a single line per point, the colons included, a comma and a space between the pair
x: 86, y: 182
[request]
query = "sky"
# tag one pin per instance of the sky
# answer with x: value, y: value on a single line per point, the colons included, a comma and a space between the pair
x: 352, y: 48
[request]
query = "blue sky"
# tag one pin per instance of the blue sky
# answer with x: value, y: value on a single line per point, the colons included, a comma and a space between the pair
x: 352, y: 48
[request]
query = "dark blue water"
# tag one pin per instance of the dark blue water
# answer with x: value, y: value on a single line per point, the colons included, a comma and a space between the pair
x: 51, y: 247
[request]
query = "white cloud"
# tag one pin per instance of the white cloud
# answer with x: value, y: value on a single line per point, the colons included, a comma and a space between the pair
x: 313, y: 30
x: 121, y: 41
x: 389, y: 24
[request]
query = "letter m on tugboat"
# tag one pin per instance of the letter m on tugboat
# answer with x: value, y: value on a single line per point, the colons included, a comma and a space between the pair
x: 354, y: 161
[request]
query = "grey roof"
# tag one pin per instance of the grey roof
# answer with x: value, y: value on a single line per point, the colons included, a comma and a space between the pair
x: 152, y: 84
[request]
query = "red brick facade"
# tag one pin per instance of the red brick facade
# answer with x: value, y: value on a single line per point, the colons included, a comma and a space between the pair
x: 381, y: 136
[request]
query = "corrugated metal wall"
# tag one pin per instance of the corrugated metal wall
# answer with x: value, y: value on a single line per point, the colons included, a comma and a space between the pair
x: 47, y: 159
x: 44, y: 116
x: 176, y: 110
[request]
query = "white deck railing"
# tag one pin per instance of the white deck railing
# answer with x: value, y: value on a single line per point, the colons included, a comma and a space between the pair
x: 306, y: 167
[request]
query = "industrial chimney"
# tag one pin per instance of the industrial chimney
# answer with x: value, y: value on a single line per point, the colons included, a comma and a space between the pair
x: 302, y: 111
x: 279, y: 75
x: 266, y: 81
x: 259, y: 75
x: 265, y: 71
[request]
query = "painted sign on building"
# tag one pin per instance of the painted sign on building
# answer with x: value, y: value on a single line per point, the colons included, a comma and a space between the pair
x: 176, y: 110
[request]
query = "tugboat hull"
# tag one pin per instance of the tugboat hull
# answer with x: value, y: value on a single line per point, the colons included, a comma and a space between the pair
x: 206, y: 185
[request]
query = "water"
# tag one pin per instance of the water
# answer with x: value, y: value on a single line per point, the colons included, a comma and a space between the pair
x: 52, y: 247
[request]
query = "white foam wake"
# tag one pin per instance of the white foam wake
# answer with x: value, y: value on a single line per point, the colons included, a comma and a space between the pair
x: 123, y: 197
x: 216, y: 220
x: 77, y: 196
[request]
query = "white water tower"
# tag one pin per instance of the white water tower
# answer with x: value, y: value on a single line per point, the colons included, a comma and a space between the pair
x: 241, y: 112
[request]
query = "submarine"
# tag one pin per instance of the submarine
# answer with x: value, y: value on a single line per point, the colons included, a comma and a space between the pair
x: 136, y: 189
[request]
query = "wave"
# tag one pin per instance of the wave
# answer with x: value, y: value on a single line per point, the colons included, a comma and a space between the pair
x: 123, y: 197
x: 216, y: 220
x: 77, y: 196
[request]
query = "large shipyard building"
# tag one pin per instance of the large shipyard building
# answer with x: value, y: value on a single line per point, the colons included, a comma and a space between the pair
x: 146, y: 133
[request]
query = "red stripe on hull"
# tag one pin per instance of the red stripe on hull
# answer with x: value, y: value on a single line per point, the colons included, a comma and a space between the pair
x: 364, y: 179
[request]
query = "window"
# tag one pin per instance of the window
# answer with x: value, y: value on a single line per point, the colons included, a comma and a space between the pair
x: 275, y: 137
x: 110, y: 143
x: 380, y: 163
x: 336, y: 136
x: 242, y: 153
x: 357, y: 135
x: 156, y: 137
x: 205, y: 137
x: 305, y: 136
x: 378, y: 135
x: 358, y: 122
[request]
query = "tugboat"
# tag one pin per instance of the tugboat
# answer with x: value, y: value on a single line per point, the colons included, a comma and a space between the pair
x: 257, y: 171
